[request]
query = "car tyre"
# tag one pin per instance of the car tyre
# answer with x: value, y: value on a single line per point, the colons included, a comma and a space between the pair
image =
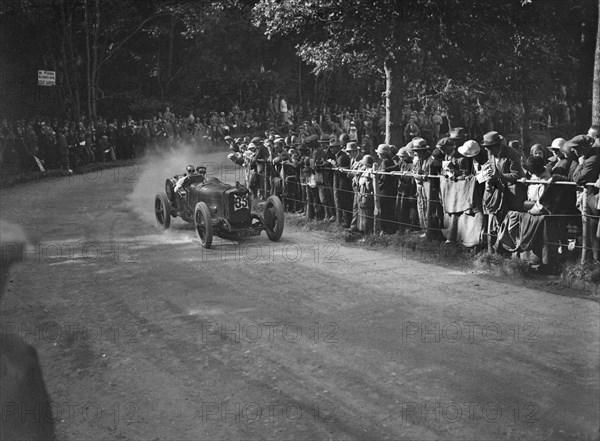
x: 274, y: 219
x: 162, y: 211
x: 170, y: 190
x: 203, y: 224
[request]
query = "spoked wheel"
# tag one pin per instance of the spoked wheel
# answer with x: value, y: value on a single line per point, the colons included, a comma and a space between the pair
x: 274, y: 218
x: 203, y: 224
x: 162, y: 211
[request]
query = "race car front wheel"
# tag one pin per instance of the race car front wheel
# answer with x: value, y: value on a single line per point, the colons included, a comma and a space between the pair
x: 203, y: 224
x: 274, y: 218
x: 162, y: 211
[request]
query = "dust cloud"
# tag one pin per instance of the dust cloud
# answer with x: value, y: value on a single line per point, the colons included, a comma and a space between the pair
x: 155, y: 167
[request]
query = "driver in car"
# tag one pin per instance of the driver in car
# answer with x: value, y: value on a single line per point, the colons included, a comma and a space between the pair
x: 183, y: 182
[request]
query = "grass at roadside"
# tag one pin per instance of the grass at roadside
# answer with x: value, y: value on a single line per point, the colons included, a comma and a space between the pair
x: 582, y: 279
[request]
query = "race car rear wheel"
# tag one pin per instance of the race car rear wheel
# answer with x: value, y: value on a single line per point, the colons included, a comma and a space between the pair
x: 203, y: 224
x: 274, y: 218
x: 162, y: 211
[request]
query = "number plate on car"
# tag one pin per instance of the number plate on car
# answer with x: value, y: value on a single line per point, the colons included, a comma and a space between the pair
x: 248, y: 233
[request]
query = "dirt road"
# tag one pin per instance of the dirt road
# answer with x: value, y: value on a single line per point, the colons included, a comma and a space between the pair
x: 145, y: 335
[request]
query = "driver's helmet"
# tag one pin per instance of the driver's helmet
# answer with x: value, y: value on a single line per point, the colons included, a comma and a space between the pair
x: 190, y: 169
x: 201, y: 170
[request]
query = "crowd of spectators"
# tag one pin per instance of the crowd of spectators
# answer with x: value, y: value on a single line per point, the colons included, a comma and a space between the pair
x: 444, y: 180
x: 455, y: 189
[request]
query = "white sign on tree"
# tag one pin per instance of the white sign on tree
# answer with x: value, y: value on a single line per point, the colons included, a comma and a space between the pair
x: 46, y: 78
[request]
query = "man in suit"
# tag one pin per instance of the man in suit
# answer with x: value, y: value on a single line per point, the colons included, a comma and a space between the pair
x: 504, y: 164
x: 502, y: 170
x: 342, y: 184
x: 355, y: 163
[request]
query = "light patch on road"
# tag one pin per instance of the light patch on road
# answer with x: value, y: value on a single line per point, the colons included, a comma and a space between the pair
x: 213, y: 311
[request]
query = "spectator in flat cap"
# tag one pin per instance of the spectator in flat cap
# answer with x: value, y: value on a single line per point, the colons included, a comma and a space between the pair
x: 501, y: 172
x: 567, y: 163
x: 21, y: 381
x: 458, y: 135
x: 504, y: 163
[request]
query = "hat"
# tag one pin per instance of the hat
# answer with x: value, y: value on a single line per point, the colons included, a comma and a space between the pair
x: 419, y: 144
x: 252, y: 146
x: 351, y: 147
x: 444, y: 143
x: 367, y: 160
x: 227, y: 138
x: 537, y: 147
x: 334, y: 142
x: 491, y: 139
x: 438, y: 154
x: 515, y: 144
x: 248, y: 154
x: 405, y: 152
x: 580, y: 143
x: 324, y: 139
x: 256, y: 140
x: 344, y: 138
x: 457, y: 133
x: 535, y: 165
x: 469, y: 149
x: 383, y: 148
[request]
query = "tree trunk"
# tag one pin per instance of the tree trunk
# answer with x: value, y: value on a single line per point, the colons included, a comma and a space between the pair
x: 393, y: 102
x: 88, y: 62
x: 95, y: 71
x: 596, y: 90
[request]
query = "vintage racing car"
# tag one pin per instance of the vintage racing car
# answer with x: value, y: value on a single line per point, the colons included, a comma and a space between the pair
x: 215, y: 207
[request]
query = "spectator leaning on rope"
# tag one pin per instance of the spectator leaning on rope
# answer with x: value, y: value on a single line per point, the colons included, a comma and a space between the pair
x: 387, y: 185
x: 501, y: 171
x: 504, y: 163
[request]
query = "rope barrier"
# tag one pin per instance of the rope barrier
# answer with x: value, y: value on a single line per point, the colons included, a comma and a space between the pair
x: 374, y: 218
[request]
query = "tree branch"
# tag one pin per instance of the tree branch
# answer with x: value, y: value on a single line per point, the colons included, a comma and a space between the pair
x: 135, y: 31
